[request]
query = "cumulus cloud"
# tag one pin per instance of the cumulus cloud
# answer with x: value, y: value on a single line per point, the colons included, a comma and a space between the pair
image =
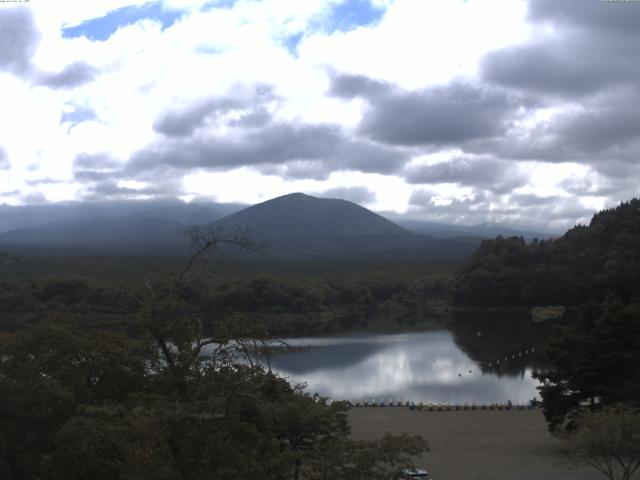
x: 277, y: 144
x: 608, y: 126
x: 186, y: 99
x: 250, y: 108
x: 488, y: 173
x: 114, y: 190
x: 96, y: 167
x: 350, y: 86
x: 526, y: 211
x: 299, y: 169
x: 19, y: 39
x: 602, y: 128
x: 43, y: 181
x: 590, y: 51
x: 5, y: 164
x: 183, y: 122
x: 361, y: 195
x: 466, y: 210
x: 73, y: 75
x: 588, y: 14
x: 102, y: 160
x: 35, y: 198
x: 446, y: 115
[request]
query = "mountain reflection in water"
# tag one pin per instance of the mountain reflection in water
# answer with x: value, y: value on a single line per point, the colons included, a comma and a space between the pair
x: 416, y: 366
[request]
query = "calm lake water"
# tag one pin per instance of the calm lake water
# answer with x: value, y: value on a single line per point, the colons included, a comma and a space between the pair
x: 417, y: 366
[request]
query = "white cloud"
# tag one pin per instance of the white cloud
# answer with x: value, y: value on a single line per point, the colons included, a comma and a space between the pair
x: 420, y: 43
x: 143, y: 70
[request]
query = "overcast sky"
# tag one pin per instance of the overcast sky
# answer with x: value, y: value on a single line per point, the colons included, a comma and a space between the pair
x: 524, y: 112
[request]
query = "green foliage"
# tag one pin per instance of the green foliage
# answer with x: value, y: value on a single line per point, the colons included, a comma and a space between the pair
x: 596, y: 362
x: 148, y: 402
x: 294, y: 299
x: 581, y: 266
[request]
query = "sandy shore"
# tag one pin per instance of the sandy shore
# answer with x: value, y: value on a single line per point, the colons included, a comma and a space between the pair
x: 475, y: 445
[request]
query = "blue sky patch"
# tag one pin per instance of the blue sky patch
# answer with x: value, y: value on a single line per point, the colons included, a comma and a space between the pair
x: 292, y: 41
x: 218, y: 4
x: 78, y: 115
x: 102, y: 28
x: 351, y: 14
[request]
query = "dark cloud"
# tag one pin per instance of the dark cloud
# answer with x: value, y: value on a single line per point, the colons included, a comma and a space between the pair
x: 594, y: 48
x: 435, y: 116
x: 604, y: 127
x: 616, y: 16
x: 183, y: 122
x: 73, y: 75
x: 360, y: 195
x: 420, y: 198
x: 554, y: 68
x: 608, y: 126
x: 5, y: 164
x: 351, y: 86
x: 276, y: 144
x: 95, y: 161
x: 35, y: 198
x: 617, y: 170
x: 487, y: 173
x: 43, y: 181
x: 314, y: 169
x: 92, y: 175
x: 556, y: 210
x: 110, y: 190
x: 96, y: 167
x: 18, y: 39
x: 298, y: 170
x: 445, y: 115
x: 255, y: 119
x: 588, y: 70
x: 530, y: 199
x: 616, y: 181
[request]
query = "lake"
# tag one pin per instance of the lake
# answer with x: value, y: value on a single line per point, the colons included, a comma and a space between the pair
x: 430, y: 367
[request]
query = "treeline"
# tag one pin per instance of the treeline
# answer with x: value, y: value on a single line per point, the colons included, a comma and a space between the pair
x: 154, y: 403
x: 581, y: 266
x: 594, y: 359
x: 291, y: 301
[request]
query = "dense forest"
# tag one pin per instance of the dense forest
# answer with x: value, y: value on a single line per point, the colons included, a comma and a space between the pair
x: 581, y: 266
x: 292, y: 298
x: 594, y: 358
x: 86, y: 400
x: 162, y: 410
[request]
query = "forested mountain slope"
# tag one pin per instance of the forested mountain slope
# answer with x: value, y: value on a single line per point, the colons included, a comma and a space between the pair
x: 583, y: 265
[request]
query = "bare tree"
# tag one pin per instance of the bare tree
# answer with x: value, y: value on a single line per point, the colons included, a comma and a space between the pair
x: 607, y: 440
x: 173, y: 324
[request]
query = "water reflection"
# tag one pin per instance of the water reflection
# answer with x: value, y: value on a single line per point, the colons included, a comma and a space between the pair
x: 418, y: 366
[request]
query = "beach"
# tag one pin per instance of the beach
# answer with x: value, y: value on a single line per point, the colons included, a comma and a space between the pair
x: 475, y: 444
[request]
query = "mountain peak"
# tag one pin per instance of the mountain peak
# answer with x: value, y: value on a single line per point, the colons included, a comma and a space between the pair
x: 300, y: 215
